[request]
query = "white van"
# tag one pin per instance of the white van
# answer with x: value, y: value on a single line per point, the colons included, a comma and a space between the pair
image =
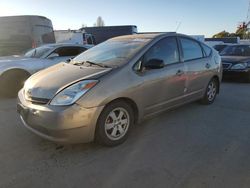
x: 74, y: 37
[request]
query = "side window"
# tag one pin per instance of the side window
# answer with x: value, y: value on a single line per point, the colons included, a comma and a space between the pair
x: 68, y: 51
x: 89, y: 39
x: 166, y: 50
x: 191, y: 49
x: 93, y: 38
x: 84, y: 38
x: 206, y: 49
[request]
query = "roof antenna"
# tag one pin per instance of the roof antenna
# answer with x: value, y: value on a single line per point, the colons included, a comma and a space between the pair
x: 178, y: 26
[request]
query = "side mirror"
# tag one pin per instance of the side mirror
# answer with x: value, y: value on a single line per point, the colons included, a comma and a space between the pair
x: 53, y: 55
x: 154, y: 64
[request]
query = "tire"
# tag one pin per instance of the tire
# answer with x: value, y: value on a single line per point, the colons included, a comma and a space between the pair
x: 114, y: 124
x: 211, y: 92
x: 11, y: 82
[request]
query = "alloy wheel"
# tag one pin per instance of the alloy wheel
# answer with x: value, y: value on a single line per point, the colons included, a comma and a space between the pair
x: 117, y: 123
x: 211, y: 91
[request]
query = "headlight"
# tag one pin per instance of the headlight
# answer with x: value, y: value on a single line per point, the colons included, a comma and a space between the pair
x: 72, y: 93
x: 239, y: 66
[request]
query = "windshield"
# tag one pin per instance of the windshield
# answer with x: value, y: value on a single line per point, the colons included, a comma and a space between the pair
x: 112, y: 53
x: 38, y: 52
x: 239, y: 50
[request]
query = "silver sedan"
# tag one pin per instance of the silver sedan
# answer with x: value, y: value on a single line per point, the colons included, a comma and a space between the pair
x: 14, y: 70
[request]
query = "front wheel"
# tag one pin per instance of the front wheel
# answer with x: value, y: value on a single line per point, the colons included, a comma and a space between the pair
x: 211, y: 92
x: 114, y: 124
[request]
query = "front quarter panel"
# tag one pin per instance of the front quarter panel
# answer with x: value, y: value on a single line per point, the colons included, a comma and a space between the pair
x: 121, y: 83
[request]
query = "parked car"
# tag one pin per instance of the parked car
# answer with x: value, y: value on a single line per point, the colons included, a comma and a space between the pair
x: 104, y: 91
x: 14, y: 70
x: 236, y: 61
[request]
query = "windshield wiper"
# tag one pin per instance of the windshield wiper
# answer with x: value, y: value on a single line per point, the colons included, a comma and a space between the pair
x: 92, y: 63
x: 98, y: 64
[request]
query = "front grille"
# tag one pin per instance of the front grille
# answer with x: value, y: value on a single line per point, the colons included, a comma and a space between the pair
x: 39, y: 100
x: 226, y: 65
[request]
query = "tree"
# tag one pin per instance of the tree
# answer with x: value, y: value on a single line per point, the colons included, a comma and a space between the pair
x: 243, y: 33
x: 99, y: 22
x: 222, y: 34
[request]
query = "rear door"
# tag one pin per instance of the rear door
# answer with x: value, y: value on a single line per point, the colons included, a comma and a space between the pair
x: 163, y: 88
x: 198, y: 66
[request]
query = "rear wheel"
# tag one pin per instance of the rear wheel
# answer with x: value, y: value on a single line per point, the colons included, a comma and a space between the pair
x: 114, y: 124
x: 211, y: 92
x: 11, y: 82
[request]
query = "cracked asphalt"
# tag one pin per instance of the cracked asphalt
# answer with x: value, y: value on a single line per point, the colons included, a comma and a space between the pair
x: 193, y: 146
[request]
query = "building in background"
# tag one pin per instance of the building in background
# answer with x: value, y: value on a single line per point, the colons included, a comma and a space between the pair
x: 104, y: 33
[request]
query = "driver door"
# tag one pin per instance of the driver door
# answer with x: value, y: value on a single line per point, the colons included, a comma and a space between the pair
x: 164, y: 87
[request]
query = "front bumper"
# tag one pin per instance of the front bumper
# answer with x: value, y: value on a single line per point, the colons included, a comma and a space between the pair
x: 62, y: 124
x: 237, y: 74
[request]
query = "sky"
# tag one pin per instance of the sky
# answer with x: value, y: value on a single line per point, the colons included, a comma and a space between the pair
x: 193, y: 17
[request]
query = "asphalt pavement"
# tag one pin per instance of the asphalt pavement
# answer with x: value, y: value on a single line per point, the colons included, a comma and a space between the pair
x: 194, y: 146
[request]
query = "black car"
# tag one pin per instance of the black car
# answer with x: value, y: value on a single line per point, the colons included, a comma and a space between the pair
x: 236, y: 61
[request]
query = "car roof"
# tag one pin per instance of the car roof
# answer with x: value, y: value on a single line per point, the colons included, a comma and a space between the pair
x: 150, y: 36
x: 143, y: 36
x: 64, y: 44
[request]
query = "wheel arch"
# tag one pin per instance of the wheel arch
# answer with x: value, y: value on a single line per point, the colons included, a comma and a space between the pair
x: 98, y: 131
x: 216, y: 77
x: 130, y: 102
x: 12, y: 80
x: 15, y: 70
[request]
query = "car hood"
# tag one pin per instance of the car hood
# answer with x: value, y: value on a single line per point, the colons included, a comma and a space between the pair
x: 235, y: 59
x: 46, y: 83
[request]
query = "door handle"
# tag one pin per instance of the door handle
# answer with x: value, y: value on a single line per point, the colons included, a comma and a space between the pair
x: 208, y: 65
x: 179, y: 72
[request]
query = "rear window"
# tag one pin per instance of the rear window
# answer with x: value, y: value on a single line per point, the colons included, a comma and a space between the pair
x: 191, y: 49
